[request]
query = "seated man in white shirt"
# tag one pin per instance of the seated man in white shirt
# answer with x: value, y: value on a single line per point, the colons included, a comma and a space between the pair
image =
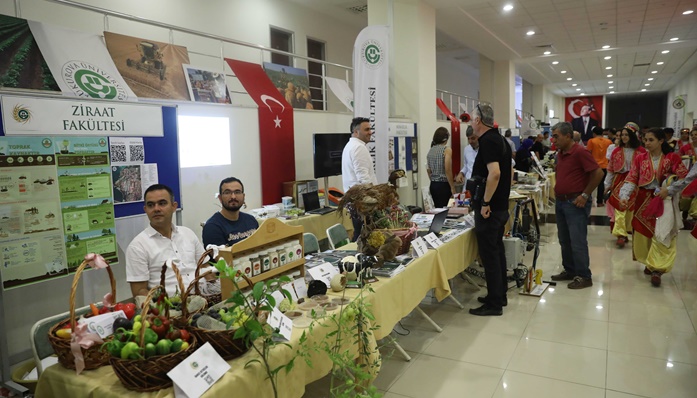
x: 468, y: 156
x: 159, y: 242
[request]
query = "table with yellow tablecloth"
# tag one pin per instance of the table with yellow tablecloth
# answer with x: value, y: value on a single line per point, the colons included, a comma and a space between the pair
x: 392, y: 299
x: 317, y: 224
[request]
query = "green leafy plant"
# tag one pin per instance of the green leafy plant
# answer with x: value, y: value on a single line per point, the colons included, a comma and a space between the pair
x: 254, y: 331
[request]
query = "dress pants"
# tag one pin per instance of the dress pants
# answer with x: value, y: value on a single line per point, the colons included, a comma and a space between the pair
x: 489, y: 233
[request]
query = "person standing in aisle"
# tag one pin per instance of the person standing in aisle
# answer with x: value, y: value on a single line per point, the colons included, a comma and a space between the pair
x: 617, y: 170
x: 440, y: 168
x: 650, y: 170
x: 493, y: 171
x: 357, y: 165
x: 578, y: 175
x: 468, y: 156
x: 598, y: 148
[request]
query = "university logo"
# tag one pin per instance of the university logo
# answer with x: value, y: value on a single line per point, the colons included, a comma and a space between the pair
x: 372, y: 53
x: 46, y: 143
x: 87, y: 80
x: 21, y: 114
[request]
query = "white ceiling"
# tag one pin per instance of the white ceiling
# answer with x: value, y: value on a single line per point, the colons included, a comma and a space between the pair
x: 637, y: 32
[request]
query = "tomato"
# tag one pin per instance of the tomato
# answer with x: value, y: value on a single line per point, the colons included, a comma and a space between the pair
x: 104, y: 310
x: 118, y: 307
x: 184, y: 334
x: 129, y: 309
x: 150, y: 350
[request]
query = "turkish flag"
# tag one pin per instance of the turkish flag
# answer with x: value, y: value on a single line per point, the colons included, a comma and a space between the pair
x: 276, y: 137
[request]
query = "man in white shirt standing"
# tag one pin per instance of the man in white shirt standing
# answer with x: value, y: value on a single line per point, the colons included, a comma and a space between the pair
x: 159, y: 242
x: 468, y: 156
x: 357, y: 164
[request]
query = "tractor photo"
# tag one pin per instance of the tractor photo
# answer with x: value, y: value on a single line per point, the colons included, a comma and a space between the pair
x: 150, y: 59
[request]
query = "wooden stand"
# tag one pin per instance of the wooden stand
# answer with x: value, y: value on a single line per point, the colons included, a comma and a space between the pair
x: 270, y: 233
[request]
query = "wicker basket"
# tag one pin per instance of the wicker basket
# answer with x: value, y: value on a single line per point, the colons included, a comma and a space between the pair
x: 406, y: 235
x: 94, y: 357
x: 222, y: 340
x: 150, y: 374
x: 211, y: 298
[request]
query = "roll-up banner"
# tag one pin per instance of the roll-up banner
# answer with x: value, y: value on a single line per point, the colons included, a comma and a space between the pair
x: 371, y: 90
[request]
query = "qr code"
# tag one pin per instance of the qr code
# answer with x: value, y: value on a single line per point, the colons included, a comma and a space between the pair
x: 137, y: 153
x: 118, y: 153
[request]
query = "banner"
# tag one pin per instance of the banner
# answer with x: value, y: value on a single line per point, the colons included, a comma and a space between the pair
x: 676, y: 113
x: 276, y: 138
x: 341, y: 89
x: 81, y: 63
x: 49, y: 116
x: 371, y: 89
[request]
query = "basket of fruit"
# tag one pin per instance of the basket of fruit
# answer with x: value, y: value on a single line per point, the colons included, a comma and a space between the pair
x: 175, y: 303
x: 211, y: 326
x: 212, y: 298
x: 144, y: 351
x: 61, y: 335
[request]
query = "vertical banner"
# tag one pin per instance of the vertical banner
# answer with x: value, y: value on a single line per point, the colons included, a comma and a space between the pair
x: 371, y: 90
x: 276, y: 137
x: 676, y: 113
x: 80, y: 63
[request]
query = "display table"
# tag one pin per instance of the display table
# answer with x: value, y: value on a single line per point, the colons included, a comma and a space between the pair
x: 318, y: 224
x: 393, y: 299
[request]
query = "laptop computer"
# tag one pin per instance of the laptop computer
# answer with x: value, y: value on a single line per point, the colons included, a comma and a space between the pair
x: 311, y: 202
x: 436, y: 224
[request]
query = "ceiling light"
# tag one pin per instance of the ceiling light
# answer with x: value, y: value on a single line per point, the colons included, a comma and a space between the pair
x: 674, y: 39
x: 547, y: 52
x: 643, y: 89
x: 659, y: 63
x: 555, y: 62
x: 665, y: 51
x: 609, y: 75
x: 608, y: 67
x: 563, y: 71
x: 610, y: 82
x: 582, y: 94
x: 508, y: 7
x: 578, y: 89
x: 530, y: 32
x: 568, y: 78
x: 574, y: 85
x: 647, y: 84
x: 606, y: 46
x: 688, y: 12
x: 650, y: 78
x: 608, y: 57
x: 611, y: 87
x: 612, y: 92
x: 654, y: 71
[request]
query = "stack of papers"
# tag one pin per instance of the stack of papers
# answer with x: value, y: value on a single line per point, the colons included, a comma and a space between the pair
x: 394, y: 267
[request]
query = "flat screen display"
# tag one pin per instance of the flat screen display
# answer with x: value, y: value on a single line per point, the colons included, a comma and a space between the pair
x: 327, y: 149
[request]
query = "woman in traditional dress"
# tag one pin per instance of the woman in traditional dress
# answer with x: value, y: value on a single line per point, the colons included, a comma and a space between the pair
x: 649, y: 170
x: 689, y: 203
x: 617, y: 170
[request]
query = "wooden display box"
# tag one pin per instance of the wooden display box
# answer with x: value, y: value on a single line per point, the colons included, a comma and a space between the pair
x: 270, y: 233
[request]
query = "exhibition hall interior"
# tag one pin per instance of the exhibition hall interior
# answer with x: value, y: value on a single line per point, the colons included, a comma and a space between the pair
x: 312, y: 198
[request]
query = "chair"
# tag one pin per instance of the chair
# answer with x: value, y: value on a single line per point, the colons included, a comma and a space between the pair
x: 38, y: 336
x: 311, y: 243
x: 338, y: 236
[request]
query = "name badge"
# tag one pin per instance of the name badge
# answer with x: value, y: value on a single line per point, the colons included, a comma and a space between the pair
x: 198, y: 372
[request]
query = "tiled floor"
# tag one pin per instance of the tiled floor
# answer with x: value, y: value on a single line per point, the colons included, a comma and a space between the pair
x: 621, y: 338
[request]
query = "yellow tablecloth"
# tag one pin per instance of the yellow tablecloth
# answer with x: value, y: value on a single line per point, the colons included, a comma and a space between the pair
x: 393, y: 298
x: 318, y: 224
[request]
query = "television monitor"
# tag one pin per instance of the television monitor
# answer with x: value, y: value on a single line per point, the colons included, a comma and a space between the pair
x: 327, y: 149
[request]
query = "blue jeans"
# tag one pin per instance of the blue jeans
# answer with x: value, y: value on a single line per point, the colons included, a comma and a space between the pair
x: 572, y: 229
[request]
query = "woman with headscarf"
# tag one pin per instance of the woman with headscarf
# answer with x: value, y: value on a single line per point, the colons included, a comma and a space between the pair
x: 523, y: 156
x: 440, y: 168
x: 649, y: 171
x: 617, y: 170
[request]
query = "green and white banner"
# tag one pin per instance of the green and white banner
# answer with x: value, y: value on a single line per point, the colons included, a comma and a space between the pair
x: 80, y: 63
x: 371, y: 90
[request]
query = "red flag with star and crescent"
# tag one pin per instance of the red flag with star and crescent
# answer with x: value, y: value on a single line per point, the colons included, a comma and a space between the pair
x: 276, y: 134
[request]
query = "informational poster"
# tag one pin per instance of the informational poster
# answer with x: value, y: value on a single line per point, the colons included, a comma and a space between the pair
x: 131, y: 181
x: 31, y: 232
x: 87, y: 207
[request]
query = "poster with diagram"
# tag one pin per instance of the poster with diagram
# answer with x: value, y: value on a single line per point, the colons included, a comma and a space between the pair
x: 87, y: 206
x: 31, y: 232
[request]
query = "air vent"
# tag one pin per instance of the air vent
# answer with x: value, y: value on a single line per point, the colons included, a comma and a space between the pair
x: 640, y: 65
x: 361, y: 9
x: 544, y: 46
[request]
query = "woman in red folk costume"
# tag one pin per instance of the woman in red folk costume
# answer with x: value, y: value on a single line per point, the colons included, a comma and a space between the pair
x: 689, y: 200
x: 617, y: 170
x: 649, y: 170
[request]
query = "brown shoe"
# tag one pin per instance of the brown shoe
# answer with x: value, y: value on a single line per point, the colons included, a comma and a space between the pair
x: 647, y: 271
x: 580, y: 283
x: 563, y: 276
x: 656, y: 278
x: 620, y: 242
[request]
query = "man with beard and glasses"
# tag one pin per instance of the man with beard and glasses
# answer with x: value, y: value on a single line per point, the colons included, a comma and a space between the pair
x: 229, y: 225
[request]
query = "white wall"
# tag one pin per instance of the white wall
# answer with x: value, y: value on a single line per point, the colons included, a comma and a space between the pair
x: 456, y: 77
x: 688, y: 86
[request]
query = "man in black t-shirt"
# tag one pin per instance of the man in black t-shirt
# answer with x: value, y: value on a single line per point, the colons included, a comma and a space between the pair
x: 493, y: 164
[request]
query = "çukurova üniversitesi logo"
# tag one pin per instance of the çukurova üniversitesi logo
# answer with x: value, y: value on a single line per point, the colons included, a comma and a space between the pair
x: 372, y: 53
x: 90, y: 81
